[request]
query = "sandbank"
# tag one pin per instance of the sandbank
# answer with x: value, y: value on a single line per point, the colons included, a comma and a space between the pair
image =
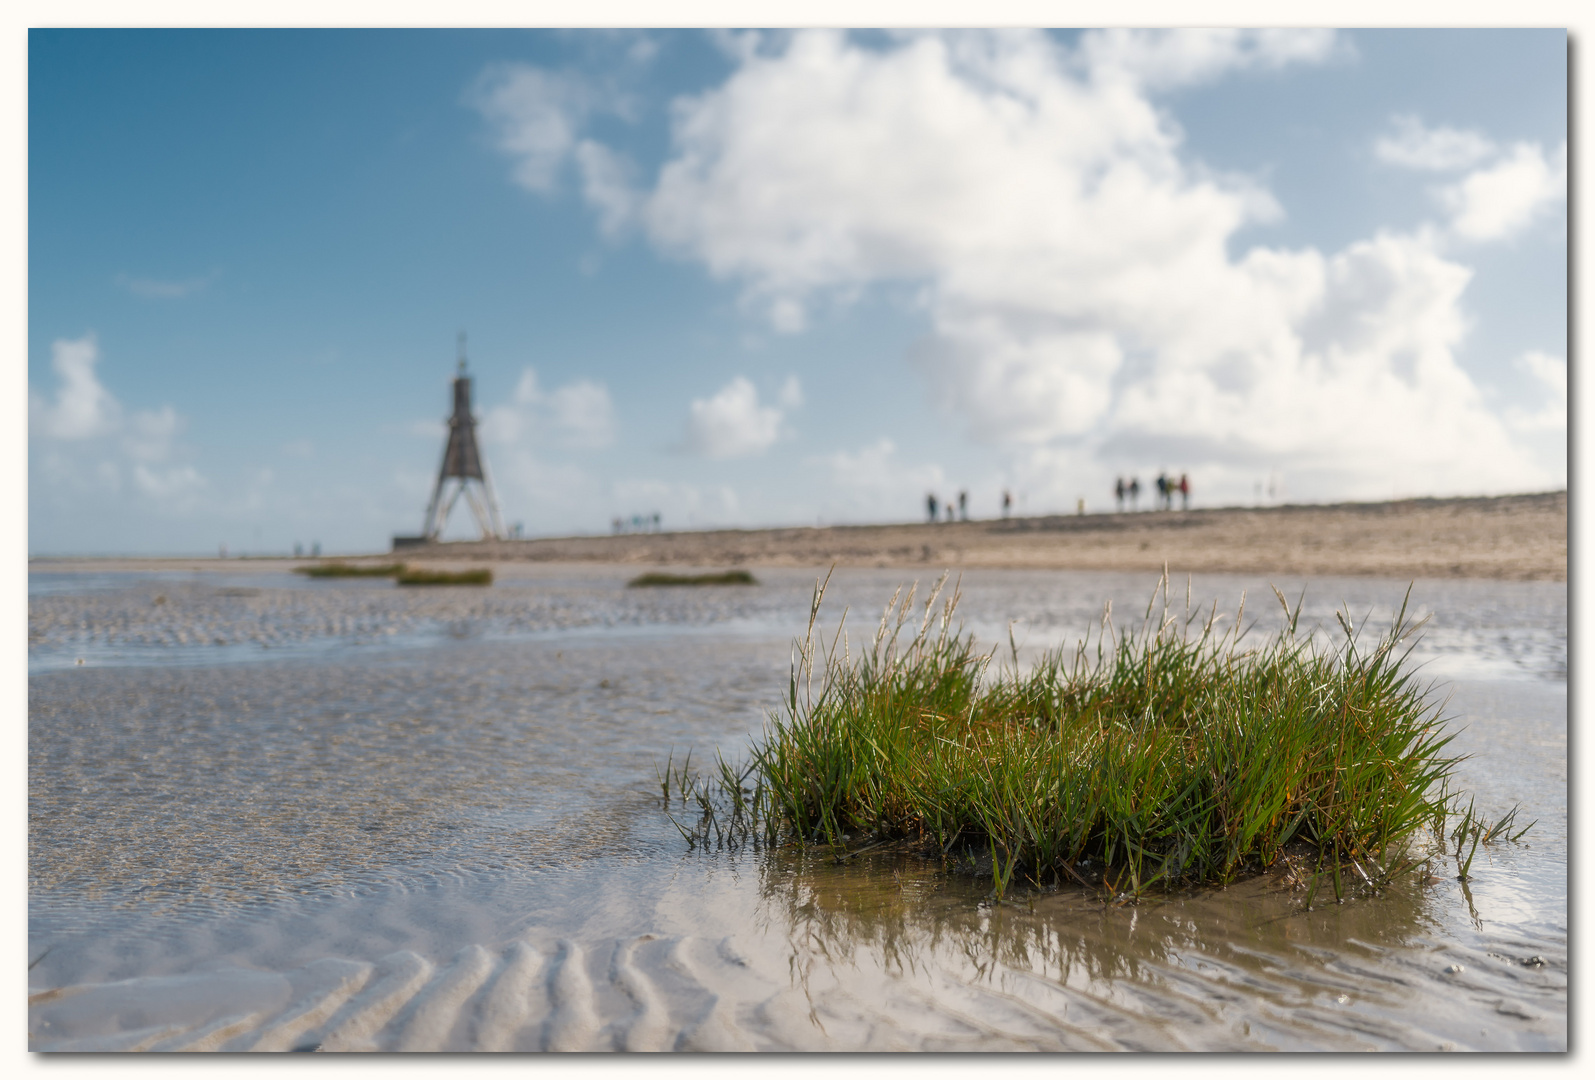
x: 1512, y: 537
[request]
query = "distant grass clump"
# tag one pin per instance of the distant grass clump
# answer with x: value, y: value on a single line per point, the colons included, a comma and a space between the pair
x: 1165, y: 755
x: 445, y: 577
x: 343, y: 569
x: 727, y: 577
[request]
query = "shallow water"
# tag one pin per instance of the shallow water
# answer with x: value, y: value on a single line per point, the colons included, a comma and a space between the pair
x: 272, y: 813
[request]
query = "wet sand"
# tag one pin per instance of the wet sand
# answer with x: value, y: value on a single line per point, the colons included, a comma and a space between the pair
x: 1513, y: 538
x: 268, y: 813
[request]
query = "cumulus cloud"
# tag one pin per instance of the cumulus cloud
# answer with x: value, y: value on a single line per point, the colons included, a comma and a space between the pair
x: 1162, y: 59
x: 1550, y: 372
x: 1085, y: 295
x: 606, y: 185
x: 733, y: 424
x: 1077, y: 271
x: 535, y: 114
x: 1501, y: 200
x: 87, y: 436
x: 1412, y: 145
x: 1510, y: 188
x: 578, y: 415
x: 83, y: 407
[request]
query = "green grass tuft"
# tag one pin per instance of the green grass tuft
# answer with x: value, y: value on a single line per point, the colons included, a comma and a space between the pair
x: 727, y: 577
x: 342, y: 569
x: 445, y: 577
x: 1154, y: 757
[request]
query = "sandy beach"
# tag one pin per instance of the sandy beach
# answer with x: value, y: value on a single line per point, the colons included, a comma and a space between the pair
x: 272, y: 813
x: 1513, y: 538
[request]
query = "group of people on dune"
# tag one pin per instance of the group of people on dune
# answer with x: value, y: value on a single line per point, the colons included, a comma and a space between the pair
x: 1166, y: 485
x: 1167, y: 488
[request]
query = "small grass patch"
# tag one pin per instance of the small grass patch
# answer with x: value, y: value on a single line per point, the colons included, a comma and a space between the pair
x: 726, y: 577
x: 483, y: 576
x: 343, y: 569
x: 1165, y: 755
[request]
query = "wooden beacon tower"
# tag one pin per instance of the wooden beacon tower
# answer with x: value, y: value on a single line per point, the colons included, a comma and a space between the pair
x: 463, y: 471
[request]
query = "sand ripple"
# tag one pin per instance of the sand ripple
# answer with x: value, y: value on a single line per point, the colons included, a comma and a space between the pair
x: 645, y: 993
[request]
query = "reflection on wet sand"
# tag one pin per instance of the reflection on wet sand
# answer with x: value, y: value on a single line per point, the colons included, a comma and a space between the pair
x: 1244, y: 967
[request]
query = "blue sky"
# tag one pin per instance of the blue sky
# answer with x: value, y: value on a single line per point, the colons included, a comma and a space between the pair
x: 781, y: 278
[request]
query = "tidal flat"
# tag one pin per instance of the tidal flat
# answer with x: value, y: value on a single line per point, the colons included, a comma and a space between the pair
x: 268, y: 813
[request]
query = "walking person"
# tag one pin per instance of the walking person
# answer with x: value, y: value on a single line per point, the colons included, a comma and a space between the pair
x: 1007, y: 503
x: 1135, y: 492
x: 930, y: 505
x: 963, y: 506
x: 1118, y: 493
x: 1162, y: 491
x: 1185, y: 492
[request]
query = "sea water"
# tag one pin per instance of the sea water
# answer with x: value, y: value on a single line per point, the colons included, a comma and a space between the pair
x: 273, y: 813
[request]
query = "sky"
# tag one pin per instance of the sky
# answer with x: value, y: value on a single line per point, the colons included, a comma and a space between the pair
x: 781, y: 278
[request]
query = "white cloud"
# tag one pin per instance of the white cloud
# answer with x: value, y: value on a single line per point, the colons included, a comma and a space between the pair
x: 1495, y: 202
x: 1162, y: 59
x: 1086, y: 298
x: 733, y: 424
x: 535, y: 114
x: 1018, y: 388
x: 1442, y: 149
x: 87, y: 436
x: 1551, y: 373
x: 1511, y: 188
x: 1077, y: 272
x: 578, y: 415
x: 606, y: 185
x: 83, y: 407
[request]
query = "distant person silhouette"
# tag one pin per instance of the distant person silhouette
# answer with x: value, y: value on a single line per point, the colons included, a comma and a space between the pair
x: 931, y: 505
x: 1185, y: 492
x: 1007, y: 503
x: 1135, y: 492
x: 963, y: 506
x: 1162, y: 491
x: 1118, y: 493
